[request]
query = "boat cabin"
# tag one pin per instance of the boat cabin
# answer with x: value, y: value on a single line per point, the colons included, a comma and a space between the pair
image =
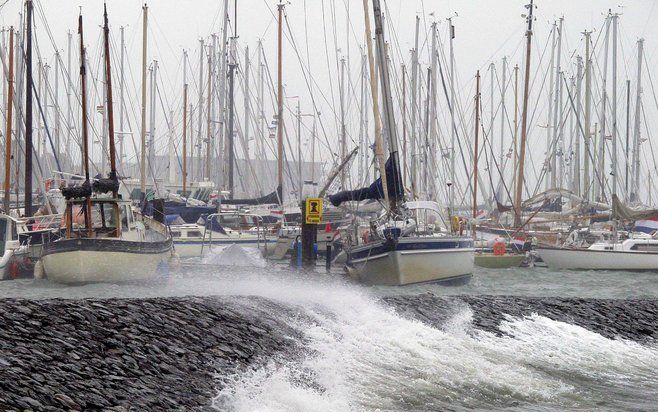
x: 108, y: 217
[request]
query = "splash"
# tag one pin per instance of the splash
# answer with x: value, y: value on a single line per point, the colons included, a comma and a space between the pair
x: 235, y: 255
x: 363, y: 356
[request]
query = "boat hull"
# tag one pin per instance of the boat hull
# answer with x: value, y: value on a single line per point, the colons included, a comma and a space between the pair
x: 103, y: 260
x: 587, y: 259
x: 412, y: 260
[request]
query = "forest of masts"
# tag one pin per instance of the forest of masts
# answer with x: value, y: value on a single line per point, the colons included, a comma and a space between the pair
x: 587, y: 130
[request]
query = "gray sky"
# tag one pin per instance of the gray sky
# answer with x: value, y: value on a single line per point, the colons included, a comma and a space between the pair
x: 486, y: 30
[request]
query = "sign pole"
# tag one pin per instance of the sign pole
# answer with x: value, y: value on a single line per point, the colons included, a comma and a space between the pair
x: 311, y: 217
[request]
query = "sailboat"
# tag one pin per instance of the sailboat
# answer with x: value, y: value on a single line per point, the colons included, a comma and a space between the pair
x: 103, y: 241
x: 638, y: 252
x: 401, y: 246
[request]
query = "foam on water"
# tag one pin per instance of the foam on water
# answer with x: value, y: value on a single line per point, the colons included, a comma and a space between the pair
x: 363, y: 356
x: 235, y: 255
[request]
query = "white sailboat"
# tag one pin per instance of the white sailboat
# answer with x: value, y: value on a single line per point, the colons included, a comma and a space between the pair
x: 400, y: 250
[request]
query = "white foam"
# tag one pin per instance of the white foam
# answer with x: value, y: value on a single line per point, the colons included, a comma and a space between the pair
x: 235, y: 255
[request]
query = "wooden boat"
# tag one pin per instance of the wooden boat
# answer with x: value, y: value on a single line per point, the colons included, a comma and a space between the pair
x: 103, y: 241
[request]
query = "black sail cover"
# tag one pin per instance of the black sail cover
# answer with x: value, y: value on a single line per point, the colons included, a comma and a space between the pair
x: 374, y: 191
x: 272, y: 198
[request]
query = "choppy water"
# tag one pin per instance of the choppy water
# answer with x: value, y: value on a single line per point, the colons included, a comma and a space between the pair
x: 365, y: 356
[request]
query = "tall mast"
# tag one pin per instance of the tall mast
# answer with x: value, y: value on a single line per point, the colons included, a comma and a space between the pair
x: 299, y: 151
x: 388, y: 113
x: 279, y: 125
x: 8, y: 114
x: 247, y: 102
x: 85, y: 126
x: 185, y: 123
x: 28, y: 109
x: 635, y: 185
x: 476, y: 148
x: 503, y: 117
x: 600, y: 194
x: 549, y: 122
x: 58, y: 148
x: 414, y: 111
x: 379, y: 144
x: 363, y: 150
x: 223, y: 141
x: 557, y: 110
x: 69, y: 91
x: 628, y: 143
x: 453, y: 126
x: 433, y: 111
x: 404, y: 123
x: 579, y: 111
x: 151, y: 143
x: 109, y: 110
x: 199, y: 109
x: 524, y: 119
x: 233, y: 63
x: 516, y: 126
x: 121, y: 99
x: 145, y: 10
x: 613, y: 156
x: 260, y: 143
x: 343, y: 137
x: 209, y: 111
x: 587, y: 127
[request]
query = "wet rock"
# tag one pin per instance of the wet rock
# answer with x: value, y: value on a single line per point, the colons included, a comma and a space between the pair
x: 133, y: 354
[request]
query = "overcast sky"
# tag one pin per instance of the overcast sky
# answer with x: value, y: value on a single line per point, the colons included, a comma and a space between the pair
x: 486, y: 30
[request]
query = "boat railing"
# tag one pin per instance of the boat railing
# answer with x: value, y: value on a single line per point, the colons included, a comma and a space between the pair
x: 261, y: 233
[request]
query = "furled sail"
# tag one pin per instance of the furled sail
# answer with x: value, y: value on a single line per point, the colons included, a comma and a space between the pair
x: 374, y: 191
x: 621, y: 211
x: 272, y: 198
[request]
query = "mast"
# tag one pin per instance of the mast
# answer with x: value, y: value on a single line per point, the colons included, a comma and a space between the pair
x: 628, y: 136
x: 426, y: 142
x: 145, y: 10
x: 557, y: 111
x: 28, y: 110
x: 600, y: 194
x: 524, y: 119
x: 121, y: 100
x: 363, y: 150
x: 110, y: 124
x: 635, y: 185
x: 230, y: 135
x: 579, y: 136
x: 69, y: 91
x: 299, y: 152
x: 433, y: 110
x: 516, y: 126
x: 343, y: 137
x: 404, y: 123
x: 279, y: 125
x: 247, y: 102
x: 414, y: 111
x: 379, y: 144
x: 199, y: 109
x: 389, y: 113
x: 549, y: 122
x: 85, y: 126
x: 58, y: 149
x: 151, y: 143
x: 185, y: 123
x: 209, y: 111
x: 503, y: 112
x: 453, y: 126
x: 476, y: 150
x: 9, y: 116
x: 613, y: 155
x: 588, y: 102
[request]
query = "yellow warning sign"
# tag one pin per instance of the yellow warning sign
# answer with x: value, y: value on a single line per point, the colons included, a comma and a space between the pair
x: 313, y: 210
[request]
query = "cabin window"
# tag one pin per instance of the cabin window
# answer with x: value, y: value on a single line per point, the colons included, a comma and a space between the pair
x: 194, y: 233
x: 175, y: 233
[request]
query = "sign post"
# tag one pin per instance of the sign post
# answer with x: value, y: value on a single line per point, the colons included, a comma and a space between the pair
x: 311, y: 217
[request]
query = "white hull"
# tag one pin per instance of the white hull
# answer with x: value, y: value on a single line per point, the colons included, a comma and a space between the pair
x: 83, y: 266
x: 587, y: 259
x: 407, y: 265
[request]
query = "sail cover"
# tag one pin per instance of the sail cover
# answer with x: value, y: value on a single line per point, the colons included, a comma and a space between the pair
x: 621, y: 211
x: 272, y: 198
x: 376, y: 190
